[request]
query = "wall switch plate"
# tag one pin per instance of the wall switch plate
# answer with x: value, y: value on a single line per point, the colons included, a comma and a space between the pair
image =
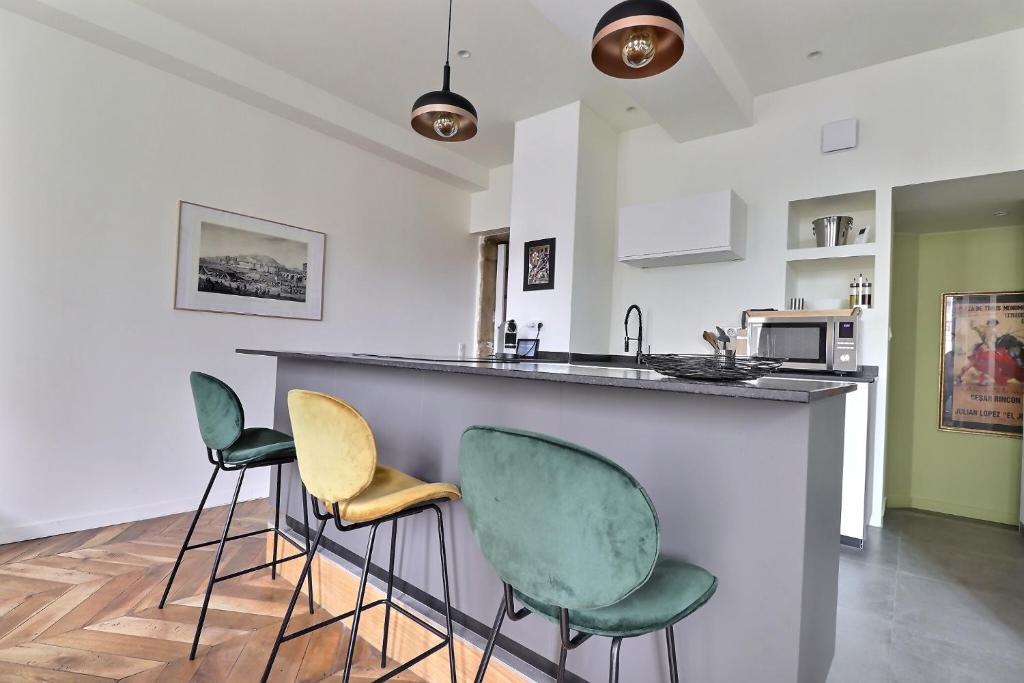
x: 839, y: 135
x: 531, y: 325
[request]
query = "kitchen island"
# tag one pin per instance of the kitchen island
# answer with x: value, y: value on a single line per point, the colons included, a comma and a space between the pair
x: 746, y: 478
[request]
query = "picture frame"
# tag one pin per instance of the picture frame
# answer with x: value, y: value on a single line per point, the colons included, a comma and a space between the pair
x: 230, y: 262
x: 982, y: 363
x: 539, y: 265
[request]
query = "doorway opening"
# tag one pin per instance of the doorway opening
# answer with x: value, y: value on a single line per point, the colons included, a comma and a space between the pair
x: 956, y: 357
x: 492, y: 294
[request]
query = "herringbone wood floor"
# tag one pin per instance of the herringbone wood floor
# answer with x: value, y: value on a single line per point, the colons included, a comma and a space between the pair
x: 83, y: 607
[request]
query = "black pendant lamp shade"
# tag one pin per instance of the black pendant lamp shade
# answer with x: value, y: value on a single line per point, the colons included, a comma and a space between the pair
x: 442, y: 114
x: 637, y: 39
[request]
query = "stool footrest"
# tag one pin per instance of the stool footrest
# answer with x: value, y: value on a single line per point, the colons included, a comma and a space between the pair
x: 412, y: 662
x: 247, y: 534
x: 395, y: 606
x: 258, y: 567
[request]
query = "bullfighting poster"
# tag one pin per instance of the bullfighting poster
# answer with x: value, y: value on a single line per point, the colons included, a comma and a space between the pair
x: 982, y: 362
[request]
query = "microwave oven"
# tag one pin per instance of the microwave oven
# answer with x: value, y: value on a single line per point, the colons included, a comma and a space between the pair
x: 825, y: 341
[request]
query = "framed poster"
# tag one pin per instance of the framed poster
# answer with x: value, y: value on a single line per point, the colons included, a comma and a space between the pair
x: 982, y: 363
x: 539, y: 265
x: 232, y: 263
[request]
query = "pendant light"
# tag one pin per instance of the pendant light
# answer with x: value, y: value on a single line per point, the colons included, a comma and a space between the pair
x: 637, y: 39
x: 442, y: 114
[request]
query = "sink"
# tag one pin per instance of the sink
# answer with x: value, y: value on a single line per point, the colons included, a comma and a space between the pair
x: 633, y: 369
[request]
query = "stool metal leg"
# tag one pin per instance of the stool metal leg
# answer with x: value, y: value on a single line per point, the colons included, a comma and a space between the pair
x: 562, y: 654
x: 447, y: 596
x: 216, y: 564
x: 188, y: 537
x: 613, y: 666
x: 305, y: 523
x: 489, y: 649
x: 306, y: 569
x: 354, y: 634
x: 391, y: 585
x: 277, y: 525
x: 673, y: 665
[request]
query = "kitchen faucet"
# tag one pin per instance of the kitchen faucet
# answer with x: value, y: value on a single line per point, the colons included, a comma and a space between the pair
x: 639, y: 338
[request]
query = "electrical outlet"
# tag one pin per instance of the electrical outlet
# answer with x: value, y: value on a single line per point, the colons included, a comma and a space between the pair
x: 533, y: 325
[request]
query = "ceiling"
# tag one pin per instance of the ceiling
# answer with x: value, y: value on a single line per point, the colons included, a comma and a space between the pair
x: 961, y: 204
x: 530, y: 56
x: 381, y: 55
x: 770, y: 39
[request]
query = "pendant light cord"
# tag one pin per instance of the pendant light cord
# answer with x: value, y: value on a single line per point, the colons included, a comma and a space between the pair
x: 448, y: 52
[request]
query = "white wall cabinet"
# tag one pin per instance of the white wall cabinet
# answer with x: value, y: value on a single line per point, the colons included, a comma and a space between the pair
x: 700, y: 229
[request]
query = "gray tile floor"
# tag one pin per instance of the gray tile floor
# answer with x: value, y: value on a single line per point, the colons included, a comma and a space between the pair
x: 931, y: 600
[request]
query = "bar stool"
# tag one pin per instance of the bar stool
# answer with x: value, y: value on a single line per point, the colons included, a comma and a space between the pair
x: 232, y: 447
x: 337, y: 458
x: 575, y: 538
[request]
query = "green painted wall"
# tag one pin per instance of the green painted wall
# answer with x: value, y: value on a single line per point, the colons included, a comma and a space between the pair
x: 971, y: 475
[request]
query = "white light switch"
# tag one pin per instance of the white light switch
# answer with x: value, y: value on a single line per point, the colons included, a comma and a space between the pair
x: 839, y: 135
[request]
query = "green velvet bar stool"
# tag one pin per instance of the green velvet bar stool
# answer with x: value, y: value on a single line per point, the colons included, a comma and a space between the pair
x: 575, y: 538
x: 232, y: 447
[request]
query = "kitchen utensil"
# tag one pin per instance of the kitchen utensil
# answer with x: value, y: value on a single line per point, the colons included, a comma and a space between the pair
x: 723, y: 338
x: 719, y: 367
x: 710, y: 338
x: 831, y: 231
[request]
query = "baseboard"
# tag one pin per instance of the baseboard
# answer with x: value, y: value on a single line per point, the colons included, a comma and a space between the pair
x: 955, y: 509
x: 897, y: 501
x: 851, y: 542
x: 221, y: 495
x: 335, y: 589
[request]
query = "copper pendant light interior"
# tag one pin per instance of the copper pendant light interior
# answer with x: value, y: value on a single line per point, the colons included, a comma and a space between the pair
x: 653, y: 20
x: 423, y: 119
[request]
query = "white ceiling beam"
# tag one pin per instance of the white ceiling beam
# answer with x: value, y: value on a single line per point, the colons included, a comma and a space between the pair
x: 719, y: 59
x: 143, y: 35
x: 703, y: 95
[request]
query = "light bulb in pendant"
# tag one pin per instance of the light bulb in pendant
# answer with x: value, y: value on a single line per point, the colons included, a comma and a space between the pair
x: 446, y: 125
x: 638, y: 48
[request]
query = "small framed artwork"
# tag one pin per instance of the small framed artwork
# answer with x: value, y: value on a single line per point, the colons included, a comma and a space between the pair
x: 539, y: 265
x: 232, y: 263
x: 982, y: 363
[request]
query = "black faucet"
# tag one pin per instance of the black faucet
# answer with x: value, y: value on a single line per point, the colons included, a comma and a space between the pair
x: 639, y: 338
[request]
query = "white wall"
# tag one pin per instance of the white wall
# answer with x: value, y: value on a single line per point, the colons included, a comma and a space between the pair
x: 563, y: 186
x: 491, y: 209
x: 594, y: 239
x: 949, y: 113
x: 544, y: 205
x: 96, y: 150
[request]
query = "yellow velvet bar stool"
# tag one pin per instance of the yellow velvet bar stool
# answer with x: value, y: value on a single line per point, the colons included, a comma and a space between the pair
x: 337, y: 458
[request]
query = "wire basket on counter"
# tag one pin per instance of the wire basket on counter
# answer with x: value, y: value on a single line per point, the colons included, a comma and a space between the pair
x: 711, y: 367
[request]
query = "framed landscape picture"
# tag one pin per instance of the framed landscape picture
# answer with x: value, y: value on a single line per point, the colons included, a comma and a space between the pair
x: 232, y: 263
x: 539, y: 265
x: 982, y: 362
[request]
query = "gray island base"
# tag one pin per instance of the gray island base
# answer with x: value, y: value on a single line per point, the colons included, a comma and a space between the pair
x: 746, y: 479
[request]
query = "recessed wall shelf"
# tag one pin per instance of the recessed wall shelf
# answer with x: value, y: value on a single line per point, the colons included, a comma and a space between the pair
x: 859, y: 205
x: 821, y: 274
x: 841, y: 252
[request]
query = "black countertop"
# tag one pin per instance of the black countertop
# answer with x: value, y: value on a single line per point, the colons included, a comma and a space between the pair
x: 765, y: 388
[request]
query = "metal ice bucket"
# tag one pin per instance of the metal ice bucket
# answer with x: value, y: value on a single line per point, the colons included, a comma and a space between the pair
x: 832, y: 231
